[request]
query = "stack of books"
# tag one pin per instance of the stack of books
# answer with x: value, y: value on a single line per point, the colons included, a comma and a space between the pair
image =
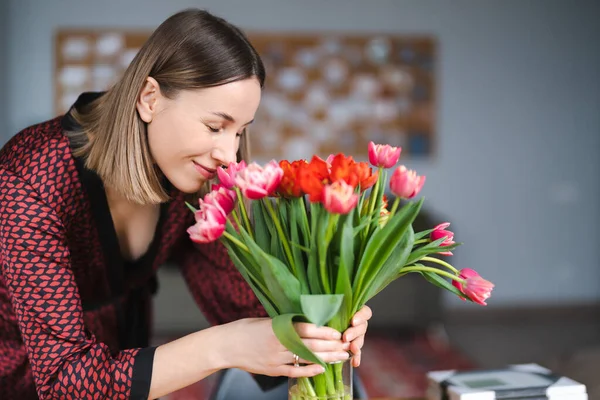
x: 521, y: 381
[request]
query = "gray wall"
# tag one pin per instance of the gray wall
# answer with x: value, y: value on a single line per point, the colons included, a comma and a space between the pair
x: 516, y: 169
x: 4, y: 96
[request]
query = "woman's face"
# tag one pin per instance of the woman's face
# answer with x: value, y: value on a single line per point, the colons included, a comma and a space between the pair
x: 198, y: 130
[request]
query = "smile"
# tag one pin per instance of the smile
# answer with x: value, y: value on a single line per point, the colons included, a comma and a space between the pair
x: 206, y: 173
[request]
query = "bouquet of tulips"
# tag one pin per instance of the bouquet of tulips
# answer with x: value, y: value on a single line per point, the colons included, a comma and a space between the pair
x: 316, y: 241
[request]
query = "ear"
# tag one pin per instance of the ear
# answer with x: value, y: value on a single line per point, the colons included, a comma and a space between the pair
x: 147, y: 101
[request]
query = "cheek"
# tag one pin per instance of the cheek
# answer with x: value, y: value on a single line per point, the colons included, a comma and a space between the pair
x: 173, y: 140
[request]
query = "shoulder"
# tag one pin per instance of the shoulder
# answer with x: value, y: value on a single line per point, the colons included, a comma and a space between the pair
x: 41, y: 156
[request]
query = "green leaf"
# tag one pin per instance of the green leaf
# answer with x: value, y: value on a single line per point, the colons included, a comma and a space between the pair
x: 261, y: 231
x: 283, y: 326
x: 430, y: 248
x: 345, y: 271
x: 279, y: 280
x: 314, y: 281
x: 236, y: 256
x: 381, y: 245
x: 347, y: 244
x: 296, y: 249
x: 422, y: 234
x: 322, y: 244
x: 390, y: 269
x: 300, y: 247
x: 442, y: 283
x: 191, y: 207
x: 320, y: 308
x: 303, y: 220
x: 359, y: 228
x: 251, y: 265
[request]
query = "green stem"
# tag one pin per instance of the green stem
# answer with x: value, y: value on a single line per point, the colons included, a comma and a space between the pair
x: 394, y: 207
x: 339, y: 378
x: 244, y: 212
x: 374, y: 193
x: 236, y: 218
x: 322, y: 259
x: 441, y: 262
x: 434, y: 270
x: 330, y: 380
x: 421, y: 241
x: 284, y: 241
x: 320, y: 385
x: 305, y: 388
x: 302, y: 206
x: 234, y: 240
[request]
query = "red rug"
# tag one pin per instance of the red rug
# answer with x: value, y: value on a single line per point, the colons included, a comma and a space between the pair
x: 391, y: 366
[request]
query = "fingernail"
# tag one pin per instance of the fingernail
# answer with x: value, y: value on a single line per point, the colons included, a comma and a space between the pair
x: 346, y: 346
x: 343, y: 355
x: 336, y: 335
x: 321, y: 369
x: 356, y: 321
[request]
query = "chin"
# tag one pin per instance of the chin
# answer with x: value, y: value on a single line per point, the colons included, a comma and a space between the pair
x: 189, y: 186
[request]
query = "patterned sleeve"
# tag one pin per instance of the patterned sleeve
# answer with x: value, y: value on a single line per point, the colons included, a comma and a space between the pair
x: 66, y: 360
x: 217, y: 286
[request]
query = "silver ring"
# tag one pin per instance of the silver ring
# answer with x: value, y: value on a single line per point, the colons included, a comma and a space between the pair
x: 296, y: 360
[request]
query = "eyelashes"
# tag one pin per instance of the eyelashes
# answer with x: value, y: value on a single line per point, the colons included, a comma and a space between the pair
x: 212, y: 129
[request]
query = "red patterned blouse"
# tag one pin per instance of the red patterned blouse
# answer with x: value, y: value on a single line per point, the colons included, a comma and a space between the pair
x: 75, y: 316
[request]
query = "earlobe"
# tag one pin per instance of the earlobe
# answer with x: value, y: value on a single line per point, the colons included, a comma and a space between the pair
x: 147, y: 100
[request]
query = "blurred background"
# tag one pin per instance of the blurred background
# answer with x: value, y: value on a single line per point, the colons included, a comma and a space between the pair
x: 496, y: 102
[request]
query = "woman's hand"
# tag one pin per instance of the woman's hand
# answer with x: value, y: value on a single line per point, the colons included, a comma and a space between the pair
x: 250, y: 344
x: 355, y: 335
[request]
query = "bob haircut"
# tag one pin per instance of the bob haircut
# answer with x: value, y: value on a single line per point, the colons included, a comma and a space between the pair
x: 192, y: 49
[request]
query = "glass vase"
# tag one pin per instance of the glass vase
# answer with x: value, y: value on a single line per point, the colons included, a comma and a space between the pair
x: 333, y: 384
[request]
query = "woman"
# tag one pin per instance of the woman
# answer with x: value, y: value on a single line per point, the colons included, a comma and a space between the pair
x: 92, y: 203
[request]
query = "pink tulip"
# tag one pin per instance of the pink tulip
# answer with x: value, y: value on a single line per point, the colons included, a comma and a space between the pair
x: 257, y: 182
x: 405, y: 183
x: 210, y: 224
x: 227, y: 176
x: 222, y: 198
x: 476, y: 288
x: 440, y: 232
x: 339, y: 197
x: 383, y: 155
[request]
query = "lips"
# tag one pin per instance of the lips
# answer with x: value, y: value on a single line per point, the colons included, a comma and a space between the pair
x: 207, y: 173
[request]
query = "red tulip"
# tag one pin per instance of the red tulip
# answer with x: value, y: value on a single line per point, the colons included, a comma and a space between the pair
x: 290, y: 182
x: 406, y: 183
x: 210, y: 224
x: 221, y: 197
x: 339, y: 197
x: 439, y: 232
x: 475, y: 287
x: 383, y: 155
x: 227, y: 176
x: 257, y: 182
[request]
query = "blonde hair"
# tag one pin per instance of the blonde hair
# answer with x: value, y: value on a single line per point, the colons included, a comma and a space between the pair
x: 192, y: 49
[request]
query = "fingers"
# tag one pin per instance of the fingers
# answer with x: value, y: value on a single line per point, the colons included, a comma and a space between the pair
x: 356, y: 360
x: 311, y: 331
x: 355, y: 331
x: 298, y: 372
x: 357, y: 344
x: 356, y: 349
x: 363, y: 315
x: 317, y: 345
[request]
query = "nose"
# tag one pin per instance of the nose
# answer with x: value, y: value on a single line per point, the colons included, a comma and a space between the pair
x: 225, y: 150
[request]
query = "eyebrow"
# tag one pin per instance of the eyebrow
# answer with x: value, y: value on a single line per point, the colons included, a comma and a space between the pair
x: 228, y: 117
